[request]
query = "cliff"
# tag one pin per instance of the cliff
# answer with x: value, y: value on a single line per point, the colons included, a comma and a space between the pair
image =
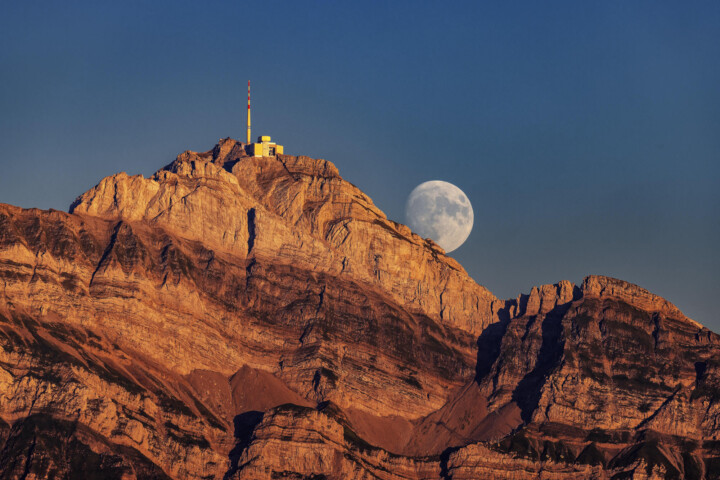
x: 250, y: 318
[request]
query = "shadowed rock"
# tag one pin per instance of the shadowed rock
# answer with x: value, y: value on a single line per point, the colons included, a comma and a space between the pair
x: 252, y: 318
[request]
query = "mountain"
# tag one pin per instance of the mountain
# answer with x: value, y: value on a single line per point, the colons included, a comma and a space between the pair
x: 259, y: 318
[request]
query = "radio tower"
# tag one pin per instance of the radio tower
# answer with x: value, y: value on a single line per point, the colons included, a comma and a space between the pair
x: 248, y: 119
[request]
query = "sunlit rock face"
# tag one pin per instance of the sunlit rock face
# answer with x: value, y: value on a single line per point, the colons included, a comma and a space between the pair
x: 251, y: 318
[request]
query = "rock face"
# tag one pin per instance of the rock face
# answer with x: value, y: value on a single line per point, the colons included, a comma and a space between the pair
x: 258, y: 318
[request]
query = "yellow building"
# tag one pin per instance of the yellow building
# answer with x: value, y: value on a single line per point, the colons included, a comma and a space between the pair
x: 265, y: 148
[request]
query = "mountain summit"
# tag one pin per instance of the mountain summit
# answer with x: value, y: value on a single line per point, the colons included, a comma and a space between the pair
x: 241, y: 317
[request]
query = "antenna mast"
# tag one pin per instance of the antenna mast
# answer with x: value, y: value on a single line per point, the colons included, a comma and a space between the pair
x: 248, y: 118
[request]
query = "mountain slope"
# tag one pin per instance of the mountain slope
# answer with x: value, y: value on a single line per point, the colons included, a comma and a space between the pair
x: 241, y: 317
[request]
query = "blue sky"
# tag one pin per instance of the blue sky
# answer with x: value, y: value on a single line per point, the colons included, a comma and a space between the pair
x: 586, y: 134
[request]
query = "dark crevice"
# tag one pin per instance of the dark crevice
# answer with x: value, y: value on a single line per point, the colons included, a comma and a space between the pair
x: 321, y: 300
x: 108, y: 250
x: 657, y: 410
x: 527, y: 394
x: 577, y: 293
x: 602, y: 326
x: 29, y: 459
x: 248, y: 272
x: 316, y: 381
x: 700, y: 369
x: 444, y: 458
x: 306, y: 331
x: 656, y: 329
x: 529, y: 327
x: 489, y: 344
x: 245, y: 424
x: 251, y: 229
x: 522, y: 305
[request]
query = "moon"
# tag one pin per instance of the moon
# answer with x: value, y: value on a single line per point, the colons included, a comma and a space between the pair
x: 441, y: 211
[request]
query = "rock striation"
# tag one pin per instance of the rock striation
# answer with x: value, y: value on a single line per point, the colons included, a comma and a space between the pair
x: 244, y: 317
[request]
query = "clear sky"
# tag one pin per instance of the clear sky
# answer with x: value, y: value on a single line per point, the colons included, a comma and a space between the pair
x: 586, y: 134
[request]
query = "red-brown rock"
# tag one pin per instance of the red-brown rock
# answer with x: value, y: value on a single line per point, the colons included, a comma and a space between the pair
x: 252, y: 318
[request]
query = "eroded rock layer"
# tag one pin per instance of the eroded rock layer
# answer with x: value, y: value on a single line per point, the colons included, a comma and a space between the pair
x: 260, y: 318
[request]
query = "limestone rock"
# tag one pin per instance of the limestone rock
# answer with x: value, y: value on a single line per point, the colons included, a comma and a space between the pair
x: 250, y: 318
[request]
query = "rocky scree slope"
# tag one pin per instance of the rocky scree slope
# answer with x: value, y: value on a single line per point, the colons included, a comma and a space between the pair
x: 258, y: 318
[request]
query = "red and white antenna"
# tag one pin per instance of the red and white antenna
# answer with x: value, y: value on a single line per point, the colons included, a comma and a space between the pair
x: 248, y: 117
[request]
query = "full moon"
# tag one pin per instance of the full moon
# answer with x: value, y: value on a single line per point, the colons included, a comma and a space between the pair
x: 441, y: 211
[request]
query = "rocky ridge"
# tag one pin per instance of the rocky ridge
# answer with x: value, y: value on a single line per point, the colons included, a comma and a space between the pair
x: 241, y: 317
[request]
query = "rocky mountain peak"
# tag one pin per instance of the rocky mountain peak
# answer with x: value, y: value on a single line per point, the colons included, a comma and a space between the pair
x: 599, y: 286
x: 298, y: 208
x: 245, y: 317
